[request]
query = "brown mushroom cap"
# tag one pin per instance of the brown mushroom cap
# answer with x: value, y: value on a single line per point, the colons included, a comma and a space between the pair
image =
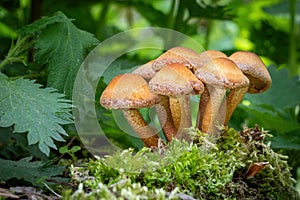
x: 175, y: 79
x: 128, y: 91
x: 182, y: 55
x: 221, y: 72
x: 146, y: 71
x: 254, y: 68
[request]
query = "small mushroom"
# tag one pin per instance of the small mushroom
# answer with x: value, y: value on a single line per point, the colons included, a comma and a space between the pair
x: 218, y: 75
x: 129, y: 92
x: 259, y: 79
x: 176, y: 80
x: 186, y: 57
x: 163, y: 109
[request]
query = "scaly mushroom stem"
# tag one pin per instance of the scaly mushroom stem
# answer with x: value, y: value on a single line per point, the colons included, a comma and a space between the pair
x: 165, y: 117
x: 176, y: 111
x: 185, y: 122
x: 141, y: 128
x: 181, y: 111
x: 210, y: 103
x: 233, y: 99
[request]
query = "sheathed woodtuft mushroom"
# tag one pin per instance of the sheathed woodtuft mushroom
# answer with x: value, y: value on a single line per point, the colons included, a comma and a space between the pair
x: 259, y: 79
x: 219, y: 75
x: 176, y: 80
x: 129, y: 92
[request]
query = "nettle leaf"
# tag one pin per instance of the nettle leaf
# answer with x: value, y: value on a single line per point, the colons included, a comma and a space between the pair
x: 38, y: 111
x: 37, y: 26
x: 28, y: 171
x: 62, y: 47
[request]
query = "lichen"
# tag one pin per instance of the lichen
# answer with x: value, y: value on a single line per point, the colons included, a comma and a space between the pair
x: 207, y: 168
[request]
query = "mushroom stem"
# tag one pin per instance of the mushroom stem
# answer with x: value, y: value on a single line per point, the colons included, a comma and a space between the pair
x: 184, y: 110
x: 233, y: 99
x: 176, y: 111
x: 165, y: 117
x: 181, y: 111
x: 141, y: 128
x: 210, y: 103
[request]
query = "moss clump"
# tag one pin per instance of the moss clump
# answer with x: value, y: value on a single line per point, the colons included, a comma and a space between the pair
x: 207, y: 168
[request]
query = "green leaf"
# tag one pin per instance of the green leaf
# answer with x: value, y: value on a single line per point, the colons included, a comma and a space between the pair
x: 283, y: 94
x: 37, y: 26
x: 40, y: 112
x: 75, y: 149
x: 287, y: 141
x: 269, y: 120
x: 16, y: 146
x: 62, y: 47
x: 28, y: 171
x: 63, y: 149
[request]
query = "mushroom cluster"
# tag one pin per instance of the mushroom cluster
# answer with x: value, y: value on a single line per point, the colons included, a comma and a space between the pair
x: 168, y: 82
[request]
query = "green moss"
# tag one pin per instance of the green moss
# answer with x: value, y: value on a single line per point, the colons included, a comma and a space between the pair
x: 207, y: 168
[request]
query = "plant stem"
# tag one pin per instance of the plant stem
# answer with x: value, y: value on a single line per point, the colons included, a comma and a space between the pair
x: 102, y: 19
x: 29, y: 76
x: 293, y: 39
x: 179, y: 16
x: 15, y: 52
x: 3, y: 63
x: 170, y: 23
x: 207, y: 33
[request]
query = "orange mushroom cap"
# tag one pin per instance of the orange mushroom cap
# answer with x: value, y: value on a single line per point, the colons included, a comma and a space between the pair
x: 254, y: 68
x: 222, y: 72
x: 128, y: 91
x: 175, y: 79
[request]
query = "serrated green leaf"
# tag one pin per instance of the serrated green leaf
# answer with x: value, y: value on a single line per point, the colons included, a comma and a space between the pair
x: 3, y: 76
x: 284, y: 92
x: 28, y: 171
x: 40, y: 112
x: 62, y: 47
x: 37, y: 26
